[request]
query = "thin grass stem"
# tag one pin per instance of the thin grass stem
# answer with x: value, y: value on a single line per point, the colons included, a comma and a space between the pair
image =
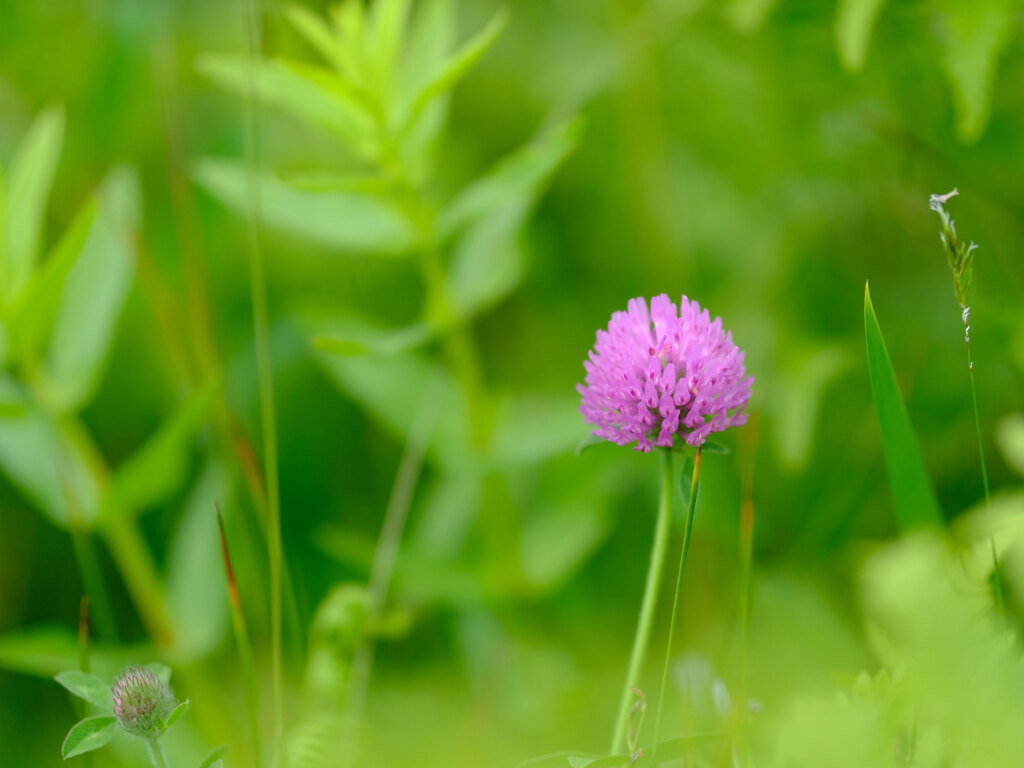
x: 691, y: 507
x: 265, y: 378
x: 243, y: 644
x: 385, y: 556
x: 647, y: 606
x: 95, y: 586
x: 977, y: 425
x: 83, y: 634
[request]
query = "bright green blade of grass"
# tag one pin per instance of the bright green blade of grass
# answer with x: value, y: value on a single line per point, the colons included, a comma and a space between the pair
x: 912, y: 492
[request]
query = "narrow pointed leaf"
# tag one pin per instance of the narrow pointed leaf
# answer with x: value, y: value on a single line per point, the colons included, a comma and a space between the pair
x: 176, y: 714
x: 365, y: 340
x: 488, y: 261
x: 975, y: 35
x: 317, y: 33
x: 94, y: 293
x: 458, y: 64
x: 86, y: 686
x: 28, y: 188
x: 314, y: 95
x: 35, y: 310
x: 350, y: 221
x: 854, y: 22
x: 515, y: 180
x: 89, y: 734
x: 912, y: 492
x: 194, y: 562
x: 386, y: 32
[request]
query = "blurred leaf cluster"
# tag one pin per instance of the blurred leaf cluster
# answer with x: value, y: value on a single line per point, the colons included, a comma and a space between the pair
x: 450, y: 198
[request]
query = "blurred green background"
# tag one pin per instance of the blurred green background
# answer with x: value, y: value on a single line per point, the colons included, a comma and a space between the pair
x: 765, y: 158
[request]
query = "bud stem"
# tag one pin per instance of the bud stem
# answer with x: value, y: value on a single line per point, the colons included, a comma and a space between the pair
x: 156, y: 753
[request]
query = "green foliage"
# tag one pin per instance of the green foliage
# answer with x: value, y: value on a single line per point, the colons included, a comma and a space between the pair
x: 953, y: 692
x: 28, y: 182
x: 160, y: 465
x: 348, y: 220
x: 86, y: 686
x: 94, y: 293
x: 975, y: 36
x: 911, y: 490
x: 195, y: 571
x: 213, y: 760
x: 760, y: 156
x: 176, y: 714
x: 854, y: 22
x: 89, y: 734
x: 1010, y: 435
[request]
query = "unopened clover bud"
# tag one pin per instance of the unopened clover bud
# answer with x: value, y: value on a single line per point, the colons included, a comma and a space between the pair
x: 142, y: 701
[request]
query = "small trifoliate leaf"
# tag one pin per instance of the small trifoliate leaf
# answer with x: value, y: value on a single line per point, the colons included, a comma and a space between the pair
x: 89, y: 734
x: 86, y: 686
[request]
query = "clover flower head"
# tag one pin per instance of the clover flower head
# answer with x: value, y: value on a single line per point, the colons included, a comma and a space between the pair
x: 657, y: 372
x: 142, y: 700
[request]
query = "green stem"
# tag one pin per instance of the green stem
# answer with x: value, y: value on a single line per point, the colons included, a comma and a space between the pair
x: 977, y: 424
x: 258, y: 287
x: 695, y: 480
x: 997, y: 582
x: 650, y: 599
x: 124, y: 540
x: 385, y: 557
x: 95, y: 586
x: 156, y: 753
x: 242, y: 643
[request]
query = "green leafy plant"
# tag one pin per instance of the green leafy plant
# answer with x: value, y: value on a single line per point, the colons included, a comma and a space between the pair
x: 140, y: 703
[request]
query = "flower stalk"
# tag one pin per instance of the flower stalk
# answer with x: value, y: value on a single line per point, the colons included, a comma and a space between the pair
x: 691, y: 507
x: 960, y: 256
x: 650, y: 600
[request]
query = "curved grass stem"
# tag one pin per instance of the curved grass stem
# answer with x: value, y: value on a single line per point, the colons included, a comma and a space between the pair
x: 647, y: 606
x: 694, y: 481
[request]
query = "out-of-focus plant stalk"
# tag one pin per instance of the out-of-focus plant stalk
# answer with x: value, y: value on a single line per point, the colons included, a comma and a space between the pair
x: 961, y: 261
x: 690, y: 509
x: 748, y: 443
x: 261, y: 333
x: 83, y: 634
x: 647, y: 606
x: 128, y: 548
x: 385, y: 557
x: 242, y: 643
